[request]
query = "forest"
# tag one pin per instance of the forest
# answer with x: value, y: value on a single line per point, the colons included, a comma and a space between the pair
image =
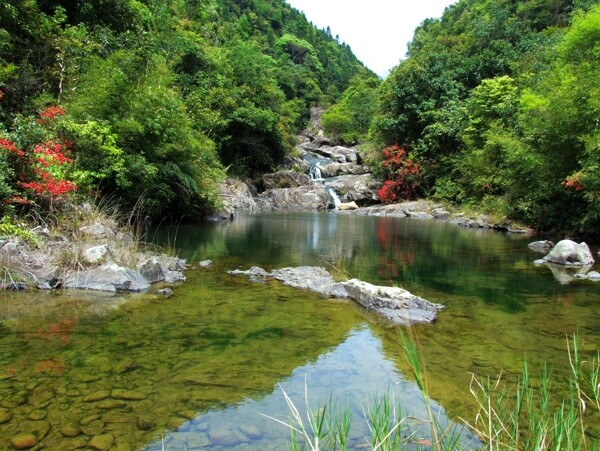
x: 153, y: 102
x: 495, y: 108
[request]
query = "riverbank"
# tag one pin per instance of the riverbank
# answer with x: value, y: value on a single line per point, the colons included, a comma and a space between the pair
x: 86, y: 248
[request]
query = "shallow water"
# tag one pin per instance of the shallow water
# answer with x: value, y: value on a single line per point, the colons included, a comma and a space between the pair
x: 197, y: 370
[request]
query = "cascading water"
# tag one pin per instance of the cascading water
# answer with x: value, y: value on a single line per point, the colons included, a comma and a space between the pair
x: 315, y: 173
x: 335, y: 200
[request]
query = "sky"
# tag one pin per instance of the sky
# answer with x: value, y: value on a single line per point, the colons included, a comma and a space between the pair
x: 378, y: 31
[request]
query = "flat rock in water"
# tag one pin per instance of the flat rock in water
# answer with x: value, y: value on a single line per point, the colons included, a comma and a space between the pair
x: 108, y: 277
x: 395, y: 304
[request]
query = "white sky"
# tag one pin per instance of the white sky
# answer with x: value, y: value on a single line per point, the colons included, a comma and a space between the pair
x: 376, y: 30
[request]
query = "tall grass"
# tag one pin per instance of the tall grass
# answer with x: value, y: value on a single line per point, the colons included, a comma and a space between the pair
x: 533, y: 414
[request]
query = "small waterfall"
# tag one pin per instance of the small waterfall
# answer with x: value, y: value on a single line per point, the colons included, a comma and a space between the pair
x: 315, y: 172
x: 335, y: 200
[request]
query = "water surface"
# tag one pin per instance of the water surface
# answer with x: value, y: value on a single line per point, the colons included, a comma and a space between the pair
x: 196, y: 371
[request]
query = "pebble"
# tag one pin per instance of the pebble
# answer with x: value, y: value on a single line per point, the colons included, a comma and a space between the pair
x: 129, y: 395
x: 24, y: 441
x: 70, y: 430
x: 111, y: 404
x: 37, y: 415
x: 102, y: 442
x: 5, y: 416
x: 97, y: 396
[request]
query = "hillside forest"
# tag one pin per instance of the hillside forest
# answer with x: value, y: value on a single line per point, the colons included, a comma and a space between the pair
x: 496, y: 106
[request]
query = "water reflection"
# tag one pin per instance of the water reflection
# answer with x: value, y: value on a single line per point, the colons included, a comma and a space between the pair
x: 353, y: 373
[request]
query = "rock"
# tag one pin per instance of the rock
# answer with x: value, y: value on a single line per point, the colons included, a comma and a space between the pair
x: 98, y: 230
x: 440, y: 213
x: 337, y: 169
x: 205, y: 263
x: 108, y: 404
x: 5, y: 416
x: 309, y: 197
x: 70, y: 430
x: 171, y: 263
x: 37, y: 414
x: 102, y: 442
x: 541, y: 246
x: 348, y: 206
x: 166, y: 292
x: 395, y: 304
x: 151, y: 270
x: 250, y: 431
x: 594, y: 276
x: 338, y: 154
x: 24, y: 441
x: 174, y: 276
x: 224, y: 436
x: 108, y: 277
x: 567, y: 252
x: 96, y: 254
x: 359, y: 188
x: 236, y: 197
x: 285, y: 179
x: 41, y: 397
x: 145, y: 423
x: 128, y: 395
x: 419, y: 214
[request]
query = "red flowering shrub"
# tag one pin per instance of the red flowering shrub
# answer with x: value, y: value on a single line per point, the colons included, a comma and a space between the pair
x: 403, y: 176
x: 50, y: 113
x: 574, y: 182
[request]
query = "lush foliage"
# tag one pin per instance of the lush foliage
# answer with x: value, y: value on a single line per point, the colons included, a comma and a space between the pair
x: 149, y: 102
x: 403, y: 176
x: 498, y: 101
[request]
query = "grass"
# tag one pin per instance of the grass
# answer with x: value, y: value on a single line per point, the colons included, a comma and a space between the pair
x: 533, y: 414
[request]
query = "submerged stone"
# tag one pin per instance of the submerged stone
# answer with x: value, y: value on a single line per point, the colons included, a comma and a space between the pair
x: 102, y: 442
x: 97, y: 396
x: 70, y: 430
x: 129, y: 395
x: 5, y: 416
x: 24, y: 441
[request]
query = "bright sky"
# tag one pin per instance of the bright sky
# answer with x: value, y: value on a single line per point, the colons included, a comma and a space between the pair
x: 376, y: 30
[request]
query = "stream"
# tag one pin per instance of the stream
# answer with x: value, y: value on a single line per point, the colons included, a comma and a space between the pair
x: 207, y: 367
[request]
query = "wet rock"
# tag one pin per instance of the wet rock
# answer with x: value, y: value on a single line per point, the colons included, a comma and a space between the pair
x: 128, y: 395
x: 236, y: 197
x: 250, y: 431
x: 88, y: 420
x: 5, y: 416
x: 97, y: 396
x: 166, y: 292
x: 145, y: 423
x: 359, y: 188
x: 122, y: 445
x: 309, y: 197
x: 337, y: 169
x: 76, y: 443
x: 419, y: 214
x: 38, y: 428
x: 440, y: 213
x: 174, y: 276
x: 187, y: 414
x: 24, y: 441
x: 108, y: 277
x: 541, y: 246
x: 394, y: 303
x: 37, y: 414
x: 567, y: 252
x: 41, y: 397
x: 151, y: 270
x: 102, y: 442
x: 127, y: 366
x: 96, y: 427
x: 70, y: 430
x: 108, y: 404
x: 224, y: 436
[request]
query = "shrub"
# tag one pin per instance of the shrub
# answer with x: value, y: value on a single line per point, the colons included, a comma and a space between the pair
x: 403, y: 176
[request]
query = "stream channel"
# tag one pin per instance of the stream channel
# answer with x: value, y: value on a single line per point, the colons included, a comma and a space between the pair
x: 201, y: 369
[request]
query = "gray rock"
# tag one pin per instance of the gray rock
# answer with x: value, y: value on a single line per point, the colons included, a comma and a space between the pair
x: 174, y: 276
x: 171, y: 263
x: 394, y: 303
x: 166, y: 292
x: 108, y: 277
x: 541, y: 246
x: 359, y: 188
x: 419, y: 214
x: 98, y: 230
x: 205, y: 263
x: 337, y: 169
x: 567, y: 252
x: 309, y: 197
x: 152, y: 270
x: 594, y: 276
x: 96, y: 254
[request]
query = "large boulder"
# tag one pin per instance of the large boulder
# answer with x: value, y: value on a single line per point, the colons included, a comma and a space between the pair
x: 335, y: 169
x: 236, y: 196
x: 338, y: 154
x: 308, y: 197
x: 361, y: 189
x: 570, y: 253
x: 285, y: 179
x: 108, y: 277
